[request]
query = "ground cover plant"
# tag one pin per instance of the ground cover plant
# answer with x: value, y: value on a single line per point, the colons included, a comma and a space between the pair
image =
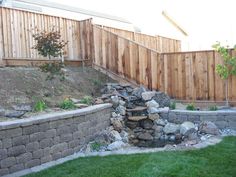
x: 213, y: 161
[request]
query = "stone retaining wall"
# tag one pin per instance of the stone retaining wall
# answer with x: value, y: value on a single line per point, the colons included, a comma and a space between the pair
x: 223, y: 119
x: 30, y: 142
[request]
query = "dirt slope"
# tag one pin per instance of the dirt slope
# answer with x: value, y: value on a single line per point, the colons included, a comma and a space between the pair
x: 25, y: 85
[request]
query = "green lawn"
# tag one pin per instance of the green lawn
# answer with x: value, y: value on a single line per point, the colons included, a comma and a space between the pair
x: 213, y: 161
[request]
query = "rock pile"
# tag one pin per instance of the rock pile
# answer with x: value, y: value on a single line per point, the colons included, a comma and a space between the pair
x: 137, y: 113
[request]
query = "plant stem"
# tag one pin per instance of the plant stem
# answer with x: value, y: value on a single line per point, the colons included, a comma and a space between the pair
x: 226, y: 93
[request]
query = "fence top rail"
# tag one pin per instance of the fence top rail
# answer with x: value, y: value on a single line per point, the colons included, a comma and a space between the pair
x: 193, y: 51
x: 45, y: 14
x: 134, y: 42
x: 156, y: 36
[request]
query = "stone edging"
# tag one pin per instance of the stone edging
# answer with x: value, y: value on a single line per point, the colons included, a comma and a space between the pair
x: 52, y: 116
x: 125, y: 151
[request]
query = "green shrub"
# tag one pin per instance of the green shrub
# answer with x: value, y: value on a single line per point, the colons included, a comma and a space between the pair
x: 86, y: 100
x: 96, y: 146
x: 173, y: 105
x: 40, y: 106
x: 190, y: 107
x: 49, y: 43
x: 67, y: 104
x: 213, y: 108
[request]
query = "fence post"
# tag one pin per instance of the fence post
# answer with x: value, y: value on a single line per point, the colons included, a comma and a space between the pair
x: 1, y: 39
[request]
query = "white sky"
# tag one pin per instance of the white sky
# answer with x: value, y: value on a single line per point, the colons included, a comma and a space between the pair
x: 206, y: 21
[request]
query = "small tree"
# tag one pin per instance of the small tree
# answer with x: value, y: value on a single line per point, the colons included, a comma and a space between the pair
x: 227, y: 69
x: 49, y: 44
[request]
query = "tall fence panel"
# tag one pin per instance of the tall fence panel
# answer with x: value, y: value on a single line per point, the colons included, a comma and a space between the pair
x: 17, y: 28
x: 183, y: 75
x: 158, y: 43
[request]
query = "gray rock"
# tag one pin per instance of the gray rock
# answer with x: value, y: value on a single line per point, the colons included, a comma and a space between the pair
x: 74, y: 100
x: 162, y: 98
x: 187, y: 128
x: 154, y: 116
x: 115, y: 100
x: 152, y: 103
x: 171, y: 128
x: 152, y: 110
x: 146, y: 96
x: 113, y: 114
x: 157, y: 128
x: 160, y: 122
x: 125, y: 136
x: 23, y: 107
x: 122, y: 103
x: 138, y: 91
x: 121, y: 110
x: 145, y: 136
x: 172, y: 138
x: 116, y: 145
x: 14, y: 114
x: 208, y: 128
x: 147, y: 124
x: 117, y: 124
x: 115, y: 135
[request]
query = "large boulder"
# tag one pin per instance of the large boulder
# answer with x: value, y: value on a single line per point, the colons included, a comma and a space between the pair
x: 138, y: 91
x: 116, y: 145
x: 146, y: 96
x: 162, y: 99
x: 171, y: 128
x: 153, y: 117
x: 117, y: 124
x: 145, y: 136
x: 121, y: 110
x: 208, y: 128
x: 152, y: 104
x: 115, y: 136
x: 187, y: 128
x: 115, y: 100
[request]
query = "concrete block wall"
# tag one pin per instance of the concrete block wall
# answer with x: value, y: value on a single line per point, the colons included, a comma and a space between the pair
x: 31, y: 142
x: 223, y: 119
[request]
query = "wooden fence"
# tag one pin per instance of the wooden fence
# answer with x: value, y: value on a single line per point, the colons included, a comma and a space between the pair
x: 17, y: 27
x: 183, y: 75
x: 158, y: 43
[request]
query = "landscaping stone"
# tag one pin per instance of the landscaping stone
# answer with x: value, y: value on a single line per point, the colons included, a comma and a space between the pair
x: 160, y: 122
x: 121, y: 110
x: 148, y: 95
x: 152, y: 104
x: 116, y: 145
x: 208, y: 128
x: 152, y: 110
x: 145, y: 136
x: 171, y: 128
x: 153, y: 117
x: 115, y: 135
x: 115, y: 101
x: 23, y: 107
x: 187, y: 128
x: 137, y: 118
x: 138, y: 91
x: 117, y: 124
x: 14, y: 114
x: 147, y: 123
x: 162, y: 99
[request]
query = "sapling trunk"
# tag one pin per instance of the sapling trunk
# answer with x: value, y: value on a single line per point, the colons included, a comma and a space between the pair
x: 226, y: 93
